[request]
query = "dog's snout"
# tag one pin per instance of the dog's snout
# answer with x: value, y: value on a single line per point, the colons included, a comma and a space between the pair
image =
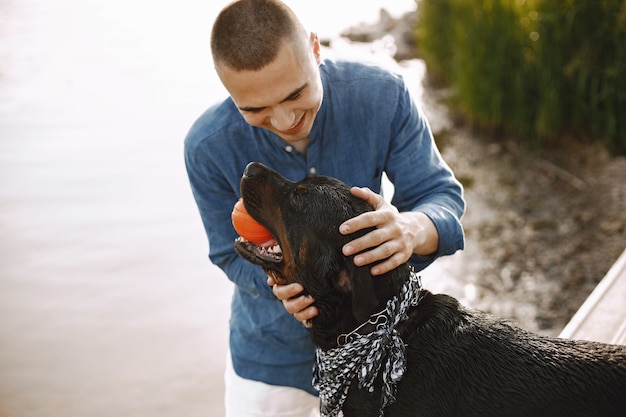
x: 253, y: 169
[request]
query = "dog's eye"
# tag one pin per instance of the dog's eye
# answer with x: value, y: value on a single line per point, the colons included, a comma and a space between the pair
x: 299, y: 189
x: 297, y: 196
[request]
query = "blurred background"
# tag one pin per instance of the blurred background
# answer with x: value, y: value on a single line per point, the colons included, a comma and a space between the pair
x: 109, y: 305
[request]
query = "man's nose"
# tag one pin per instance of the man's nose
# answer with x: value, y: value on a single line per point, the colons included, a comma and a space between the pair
x: 283, y: 119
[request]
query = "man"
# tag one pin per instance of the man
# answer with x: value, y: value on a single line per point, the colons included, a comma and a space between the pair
x: 300, y: 115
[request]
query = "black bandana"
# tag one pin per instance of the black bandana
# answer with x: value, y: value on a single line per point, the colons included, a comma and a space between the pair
x: 363, y: 356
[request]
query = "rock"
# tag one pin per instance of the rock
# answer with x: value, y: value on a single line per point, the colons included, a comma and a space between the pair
x: 400, y: 29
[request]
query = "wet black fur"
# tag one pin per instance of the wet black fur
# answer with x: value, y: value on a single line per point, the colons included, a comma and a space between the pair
x: 460, y: 362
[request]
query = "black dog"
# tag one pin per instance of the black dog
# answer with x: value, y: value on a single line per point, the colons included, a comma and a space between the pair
x: 459, y: 362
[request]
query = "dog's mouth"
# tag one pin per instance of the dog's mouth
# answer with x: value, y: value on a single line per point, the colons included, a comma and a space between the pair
x: 268, y: 251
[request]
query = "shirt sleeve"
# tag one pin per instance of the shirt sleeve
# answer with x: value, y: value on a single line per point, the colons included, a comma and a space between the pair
x: 422, y: 179
x: 215, y: 197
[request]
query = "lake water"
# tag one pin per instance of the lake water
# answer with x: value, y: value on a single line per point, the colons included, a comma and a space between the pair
x: 108, y: 303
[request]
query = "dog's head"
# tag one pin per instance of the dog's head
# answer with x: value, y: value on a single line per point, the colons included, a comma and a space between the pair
x: 304, y: 219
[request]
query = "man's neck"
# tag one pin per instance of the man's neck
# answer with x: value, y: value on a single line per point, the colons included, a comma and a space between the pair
x: 301, y: 145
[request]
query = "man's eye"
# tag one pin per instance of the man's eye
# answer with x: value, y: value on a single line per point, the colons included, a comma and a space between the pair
x: 253, y: 110
x: 296, y: 96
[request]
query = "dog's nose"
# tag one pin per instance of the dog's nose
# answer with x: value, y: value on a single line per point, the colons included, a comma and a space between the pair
x: 252, y: 169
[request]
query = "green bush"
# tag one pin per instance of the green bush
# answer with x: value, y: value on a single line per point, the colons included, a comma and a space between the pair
x: 537, y: 68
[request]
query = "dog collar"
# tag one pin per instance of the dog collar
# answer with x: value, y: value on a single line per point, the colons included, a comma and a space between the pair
x: 375, y: 322
x: 363, y: 355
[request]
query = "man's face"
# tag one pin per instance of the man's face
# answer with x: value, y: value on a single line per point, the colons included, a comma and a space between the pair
x: 283, y: 97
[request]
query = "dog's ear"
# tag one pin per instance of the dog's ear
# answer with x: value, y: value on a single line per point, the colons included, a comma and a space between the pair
x: 364, y: 299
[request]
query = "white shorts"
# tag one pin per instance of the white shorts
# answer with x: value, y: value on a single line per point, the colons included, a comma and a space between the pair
x: 248, y: 398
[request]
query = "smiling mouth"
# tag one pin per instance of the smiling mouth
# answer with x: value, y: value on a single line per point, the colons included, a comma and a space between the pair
x: 296, y: 127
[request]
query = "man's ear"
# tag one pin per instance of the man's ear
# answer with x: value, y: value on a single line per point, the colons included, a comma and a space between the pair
x: 315, y: 42
x: 364, y: 299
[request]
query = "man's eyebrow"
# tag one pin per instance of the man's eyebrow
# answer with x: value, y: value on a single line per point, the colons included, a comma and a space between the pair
x: 291, y: 96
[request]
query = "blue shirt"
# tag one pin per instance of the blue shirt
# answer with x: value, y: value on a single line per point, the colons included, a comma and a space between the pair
x: 367, y: 124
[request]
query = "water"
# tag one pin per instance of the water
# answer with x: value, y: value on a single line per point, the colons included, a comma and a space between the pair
x: 108, y: 304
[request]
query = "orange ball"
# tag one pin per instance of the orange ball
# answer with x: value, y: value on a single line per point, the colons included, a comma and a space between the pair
x: 247, y: 227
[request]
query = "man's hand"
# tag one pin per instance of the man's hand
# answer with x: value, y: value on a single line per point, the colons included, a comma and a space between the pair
x: 396, y: 238
x: 294, y: 302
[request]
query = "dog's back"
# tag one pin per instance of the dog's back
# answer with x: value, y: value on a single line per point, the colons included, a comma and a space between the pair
x: 463, y: 362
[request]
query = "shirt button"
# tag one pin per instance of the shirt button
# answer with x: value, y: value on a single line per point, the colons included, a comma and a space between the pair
x: 312, y: 170
x: 289, y: 148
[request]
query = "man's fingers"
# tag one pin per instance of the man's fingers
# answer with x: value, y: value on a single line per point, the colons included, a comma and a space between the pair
x: 294, y: 302
x: 386, y: 266
x: 300, y: 307
x: 306, y: 315
x: 285, y: 292
x: 368, y: 195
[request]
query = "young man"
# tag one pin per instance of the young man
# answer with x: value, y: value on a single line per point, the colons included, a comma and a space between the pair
x: 300, y: 115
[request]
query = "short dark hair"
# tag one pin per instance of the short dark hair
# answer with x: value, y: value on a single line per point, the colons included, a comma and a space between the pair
x: 248, y: 34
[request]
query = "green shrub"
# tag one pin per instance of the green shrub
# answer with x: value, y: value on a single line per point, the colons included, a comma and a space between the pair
x: 532, y: 67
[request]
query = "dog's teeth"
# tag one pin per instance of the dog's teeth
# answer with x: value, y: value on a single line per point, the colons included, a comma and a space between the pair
x: 274, y: 249
x: 270, y: 253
